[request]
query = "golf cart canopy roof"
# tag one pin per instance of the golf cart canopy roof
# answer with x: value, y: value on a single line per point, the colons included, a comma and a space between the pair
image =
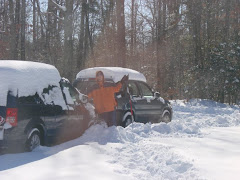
x: 114, y: 73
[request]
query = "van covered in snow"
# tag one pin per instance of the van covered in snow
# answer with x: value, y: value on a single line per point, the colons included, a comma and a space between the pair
x: 136, y: 100
x: 37, y: 106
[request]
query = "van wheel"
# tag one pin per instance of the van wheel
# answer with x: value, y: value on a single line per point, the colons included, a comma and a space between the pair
x: 33, y: 141
x: 166, y: 117
x: 127, y: 121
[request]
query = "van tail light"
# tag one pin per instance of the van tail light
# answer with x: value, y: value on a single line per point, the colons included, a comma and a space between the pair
x: 11, y: 116
x: 2, y: 120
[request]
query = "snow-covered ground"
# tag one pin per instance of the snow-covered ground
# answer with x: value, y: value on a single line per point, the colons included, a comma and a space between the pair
x: 201, y: 142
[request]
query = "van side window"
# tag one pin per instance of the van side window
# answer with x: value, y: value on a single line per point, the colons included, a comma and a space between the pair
x: 30, y: 99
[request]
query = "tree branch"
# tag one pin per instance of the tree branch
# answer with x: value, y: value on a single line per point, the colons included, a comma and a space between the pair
x: 61, y: 8
x: 56, y: 16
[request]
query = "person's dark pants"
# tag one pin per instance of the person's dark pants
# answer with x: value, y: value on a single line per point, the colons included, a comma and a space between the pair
x: 109, y: 117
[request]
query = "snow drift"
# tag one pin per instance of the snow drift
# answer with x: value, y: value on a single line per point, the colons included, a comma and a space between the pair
x: 201, y: 142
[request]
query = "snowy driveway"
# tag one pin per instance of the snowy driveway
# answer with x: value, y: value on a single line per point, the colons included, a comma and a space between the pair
x: 202, y: 142
x: 216, y: 155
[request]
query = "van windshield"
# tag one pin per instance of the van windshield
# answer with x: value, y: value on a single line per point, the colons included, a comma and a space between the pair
x: 85, y: 86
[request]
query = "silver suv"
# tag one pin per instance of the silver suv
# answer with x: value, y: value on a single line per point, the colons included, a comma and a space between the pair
x: 136, y: 100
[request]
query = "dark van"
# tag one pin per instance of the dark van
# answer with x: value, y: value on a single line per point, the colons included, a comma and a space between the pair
x: 38, y: 107
x: 136, y: 100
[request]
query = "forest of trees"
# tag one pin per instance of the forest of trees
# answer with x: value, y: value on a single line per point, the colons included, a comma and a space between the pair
x: 185, y: 48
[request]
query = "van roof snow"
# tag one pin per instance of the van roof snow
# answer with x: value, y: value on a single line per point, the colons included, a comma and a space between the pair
x: 25, y: 78
x: 115, y: 73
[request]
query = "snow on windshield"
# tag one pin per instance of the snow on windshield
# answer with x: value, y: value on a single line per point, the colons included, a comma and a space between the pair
x: 25, y: 78
x: 115, y: 73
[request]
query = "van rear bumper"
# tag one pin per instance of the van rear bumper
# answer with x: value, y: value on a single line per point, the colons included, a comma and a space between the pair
x: 3, y: 144
x: 11, y: 142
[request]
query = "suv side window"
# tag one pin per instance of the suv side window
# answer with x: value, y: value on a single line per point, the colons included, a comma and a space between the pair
x: 133, y: 89
x: 146, y: 91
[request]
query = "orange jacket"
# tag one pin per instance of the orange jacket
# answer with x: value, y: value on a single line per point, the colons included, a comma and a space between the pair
x: 103, y: 97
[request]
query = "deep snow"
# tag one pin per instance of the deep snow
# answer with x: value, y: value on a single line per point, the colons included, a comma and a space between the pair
x: 201, y: 142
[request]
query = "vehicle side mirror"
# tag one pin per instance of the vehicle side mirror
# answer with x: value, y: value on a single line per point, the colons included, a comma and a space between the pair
x: 157, y: 95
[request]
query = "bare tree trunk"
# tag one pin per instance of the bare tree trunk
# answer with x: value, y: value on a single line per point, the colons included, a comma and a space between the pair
x: 81, y: 58
x: 227, y: 20
x: 34, y: 22
x: 49, y: 30
x: 121, y: 42
x: 34, y: 30
x: 5, y: 16
x: 41, y: 19
x: 23, y: 25
x: 86, y: 39
x: 209, y: 27
x: 132, y: 29
x: 68, y: 40
x: 52, y: 34
x: 103, y: 17
x: 89, y: 37
x: 236, y: 22
x: 195, y: 13
x: 17, y: 22
x: 158, y: 43
x: 161, y: 34
x: 12, y: 31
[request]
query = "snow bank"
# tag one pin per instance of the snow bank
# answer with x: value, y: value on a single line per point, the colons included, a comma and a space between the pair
x: 115, y: 73
x: 206, y: 102
x: 137, y: 155
x: 205, y: 113
x: 192, y: 146
x: 144, y: 152
x: 25, y: 78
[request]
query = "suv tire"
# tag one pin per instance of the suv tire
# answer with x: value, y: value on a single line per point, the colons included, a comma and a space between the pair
x: 127, y: 119
x: 166, y: 117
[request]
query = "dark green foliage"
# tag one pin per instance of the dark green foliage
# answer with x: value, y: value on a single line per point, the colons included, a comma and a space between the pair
x: 224, y: 71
